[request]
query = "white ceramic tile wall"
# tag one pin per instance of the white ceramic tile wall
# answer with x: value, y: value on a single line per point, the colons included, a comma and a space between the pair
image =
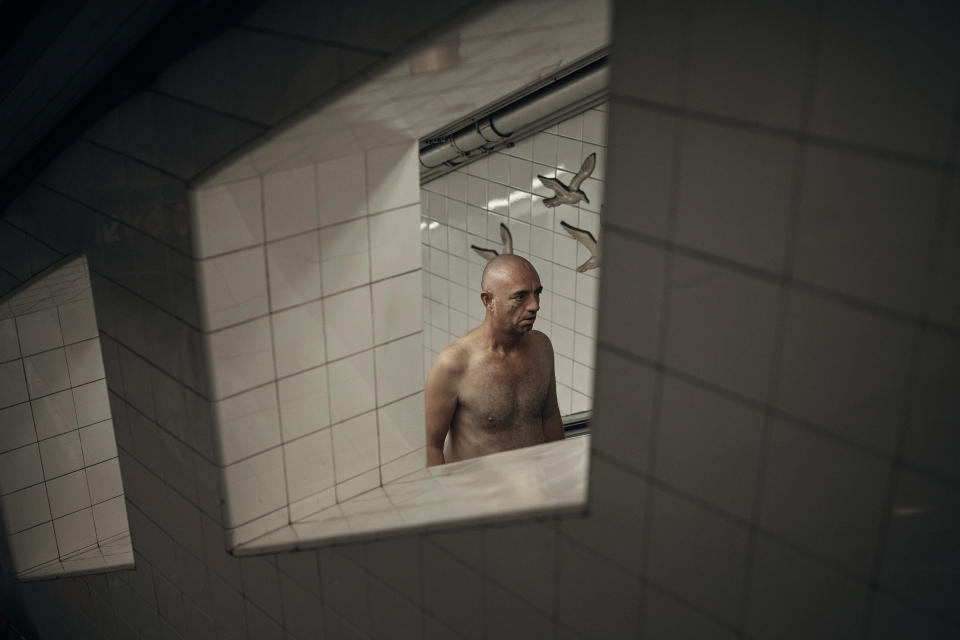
x: 466, y: 208
x: 867, y: 92
x: 310, y: 333
x: 50, y: 441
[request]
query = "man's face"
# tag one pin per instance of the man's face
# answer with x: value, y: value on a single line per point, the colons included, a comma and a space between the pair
x: 517, y: 299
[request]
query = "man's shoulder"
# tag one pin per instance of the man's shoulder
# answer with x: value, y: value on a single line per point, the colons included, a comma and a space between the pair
x: 455, y: 356
x: 541, y: 340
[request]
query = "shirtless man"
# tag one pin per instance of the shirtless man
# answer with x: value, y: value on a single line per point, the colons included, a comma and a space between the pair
x: 494, y: 389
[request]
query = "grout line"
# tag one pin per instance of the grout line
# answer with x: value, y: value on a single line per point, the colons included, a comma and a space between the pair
x: 665, y: 303
x: 864, y: 306
x: 786, y: 133
x: 791, y: 240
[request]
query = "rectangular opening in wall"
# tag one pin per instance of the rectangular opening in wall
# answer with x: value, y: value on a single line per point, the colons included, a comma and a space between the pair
x: 61, y: 495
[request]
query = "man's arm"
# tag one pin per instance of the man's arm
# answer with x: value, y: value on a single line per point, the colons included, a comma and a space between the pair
x: 440, y: 396
x: 552, y: 422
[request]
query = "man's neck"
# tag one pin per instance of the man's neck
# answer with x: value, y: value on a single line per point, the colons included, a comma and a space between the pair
x: 499, y: 340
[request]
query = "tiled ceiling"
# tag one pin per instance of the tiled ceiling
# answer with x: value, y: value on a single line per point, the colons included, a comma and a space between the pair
x: 64, y: 62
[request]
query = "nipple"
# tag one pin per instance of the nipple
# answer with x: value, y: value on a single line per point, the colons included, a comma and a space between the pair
x: 490, y: 419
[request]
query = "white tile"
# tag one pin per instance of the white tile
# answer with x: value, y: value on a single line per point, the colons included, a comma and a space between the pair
x: 477, y: 192
x: 792, y: 596
x: 838, y: 517
x: 735, y: 193
x: 393, y: 242
x: 722, y: 326
x: 254, y: 487
x: 91, y: 402
x: 880, y: 80
x: 404, y: 465
x: 587, y: 289
x: 344, y: 256
x: 290, y: 202
x: 866, y: 226
x: 619, y: 378
x: 75, y: 531
x: 227, y: 217
x: 595, y: 127
x: 544, y: 149
x: 309, y: 465
x: 247, y: 423
x: 9, y: 342
x: 358, y: 485
x: 355, y: 448
x: 25, y: 508
x: 707, y: 571
x: 394, y: 315
x: 84, y: 361
x: 564, y: 281
x: 351, y: 386
x: 33, y: 547
x: 308, y: 506
x: 78, y: 321
x: 749, y: 64
x: 586, y: 320
x: 844, y: 369
x: 98, y: 442
x: 61, y: 454
x: 393, y: 176
x: 541, y: 243
x: 640, y: 169
x: 348, y: 322
x: 17, y: 426
x: 398, y: 368
x: 709, y: 446
x: 456, y: 217
x: 20, y: 468
x: 104, y: 480
x: 46, y: 373
x: 303, y: 403
x: 931, y: 439
x: 341, y: 189
x: 402, y: 427
x: 233, y: 288
x: 294, y: 270
x: 68, y: 493
x: 241, y: 357
x: 39, y: 331
x: 298, y: 339
x: 582, y: 379
x: 13, y: 384
x: 110, y: 518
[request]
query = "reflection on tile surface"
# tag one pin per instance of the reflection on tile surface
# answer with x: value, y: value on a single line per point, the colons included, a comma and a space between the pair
x: 522, y: 482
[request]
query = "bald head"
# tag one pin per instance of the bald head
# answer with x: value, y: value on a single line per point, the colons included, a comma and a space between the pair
x: 505, y: 267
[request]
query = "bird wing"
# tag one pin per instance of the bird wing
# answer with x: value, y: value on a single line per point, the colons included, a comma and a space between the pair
x: 507, y: 238
x: 585, y: 170
x: 582, y: 236
x: 486, y: 254
x: 553, y: 183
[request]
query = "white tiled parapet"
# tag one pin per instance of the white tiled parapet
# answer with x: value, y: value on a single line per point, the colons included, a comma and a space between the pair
x: 547, y: 478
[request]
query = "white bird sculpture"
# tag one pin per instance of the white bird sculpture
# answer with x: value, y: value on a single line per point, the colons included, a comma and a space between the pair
x: 505, y: 236
x: 571, y: 194
x: 585, y: 238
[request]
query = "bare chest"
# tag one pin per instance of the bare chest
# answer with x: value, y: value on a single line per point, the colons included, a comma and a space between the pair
x: 496, y: 394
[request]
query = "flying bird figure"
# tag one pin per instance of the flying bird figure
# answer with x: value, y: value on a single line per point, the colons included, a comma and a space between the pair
x: 571, y: 194
x: 585, y: 238
x: 488, y: 254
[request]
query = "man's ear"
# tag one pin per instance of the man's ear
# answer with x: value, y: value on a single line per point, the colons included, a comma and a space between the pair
x: 487, y: 298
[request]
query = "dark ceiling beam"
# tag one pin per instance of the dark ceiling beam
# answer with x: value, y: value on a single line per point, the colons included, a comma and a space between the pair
x: 186, y: 26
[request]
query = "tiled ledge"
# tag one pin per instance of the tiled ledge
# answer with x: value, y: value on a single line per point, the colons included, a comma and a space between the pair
x: 547, y: 478
x: 113, y: 554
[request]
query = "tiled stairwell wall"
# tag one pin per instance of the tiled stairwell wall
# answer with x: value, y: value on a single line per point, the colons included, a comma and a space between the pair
x: 61, y: 497
x: 467, y: 206
x: 306, y: 280
x: 732, y: 517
